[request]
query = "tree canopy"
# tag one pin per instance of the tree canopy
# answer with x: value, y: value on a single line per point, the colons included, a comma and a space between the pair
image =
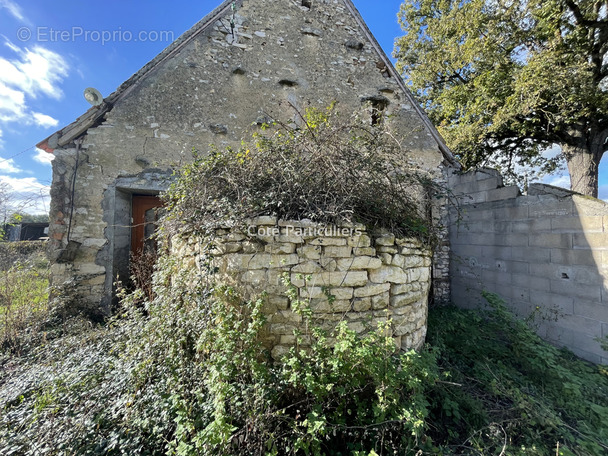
x: 503, y: 80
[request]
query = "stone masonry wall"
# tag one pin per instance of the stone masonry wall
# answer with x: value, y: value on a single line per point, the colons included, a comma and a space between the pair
x: 217, y: 87
x: 545, y: 253
x: 372, y: 277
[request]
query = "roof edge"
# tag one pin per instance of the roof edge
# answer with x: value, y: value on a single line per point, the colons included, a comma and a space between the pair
x: 95, y: 114
x: 443, y: 147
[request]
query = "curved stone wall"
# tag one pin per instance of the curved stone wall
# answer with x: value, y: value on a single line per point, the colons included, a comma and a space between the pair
x: 371, y: 276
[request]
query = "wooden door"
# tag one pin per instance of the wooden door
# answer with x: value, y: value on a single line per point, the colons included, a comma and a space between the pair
x: 144, y: 222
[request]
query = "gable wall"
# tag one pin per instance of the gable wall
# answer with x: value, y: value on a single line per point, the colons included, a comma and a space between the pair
x: 211, y: 92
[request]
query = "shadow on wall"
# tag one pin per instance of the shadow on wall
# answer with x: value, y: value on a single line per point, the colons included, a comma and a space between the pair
x: 544, y: 253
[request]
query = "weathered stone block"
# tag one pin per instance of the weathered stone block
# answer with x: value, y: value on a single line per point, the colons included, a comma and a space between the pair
x: 359, y: 262
x: 388, y: 249
x: 582, y: 257
x: 333, y: 279
x: 372, y: 290
x: 289, y: 239
x: 597, y: 241
x: 362, y: 304
x: 386, y: 240
x: 328, y: 264
x: 386, y: 258
x: 410, y: 243
x: 279, y: 351
x: 591, y: 309
x: 380, y: 301
x: 280, y: 302
x: 404, y: 299
x: 552, y: 240
x: 310, y: 252
x: 257, y: 277
x: 328, y: 241
x: 399, y: 261
x: 280, y: 248
x: 362, y: 241
x: 324, y: 305
x: 413, y: 261
x: 390, y: 274
x: 338, y: 293
x: 252, y: 247
x: 91, y: 269
x: 307, y: 267
x: 262, y: 220
x: 364, y: 251
x: 502, y: 193
x: 419, y: 274
x: 337, y: 251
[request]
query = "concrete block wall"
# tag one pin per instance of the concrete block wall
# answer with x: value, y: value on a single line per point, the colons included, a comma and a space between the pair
x: 545, y: 253
x: 372, y: 277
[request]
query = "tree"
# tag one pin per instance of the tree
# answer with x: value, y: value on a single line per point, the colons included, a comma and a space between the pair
x: 505, y: 79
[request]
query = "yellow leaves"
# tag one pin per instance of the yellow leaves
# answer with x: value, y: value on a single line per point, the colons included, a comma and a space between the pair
x: 242, y: 156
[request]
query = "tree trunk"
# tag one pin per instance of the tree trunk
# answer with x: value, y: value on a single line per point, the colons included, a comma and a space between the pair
x: 583, y: 163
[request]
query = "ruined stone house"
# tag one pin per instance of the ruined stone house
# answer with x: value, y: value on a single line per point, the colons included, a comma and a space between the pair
x: 246, y: 61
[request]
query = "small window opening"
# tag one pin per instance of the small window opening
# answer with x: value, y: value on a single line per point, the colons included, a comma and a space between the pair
x: 377, y: 105
x: 377, y: 114
x: 307, y: 3
x: 565, y: 276
x: 288, y: 83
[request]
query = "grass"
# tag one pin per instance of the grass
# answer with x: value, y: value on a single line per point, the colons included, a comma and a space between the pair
x: 24, y: 296
x: 501, y: 390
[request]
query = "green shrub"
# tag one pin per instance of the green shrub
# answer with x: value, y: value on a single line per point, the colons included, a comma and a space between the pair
x: 330, y: 169
x: 24, y: 294
x: 190, y: 376
x: 507, y: 390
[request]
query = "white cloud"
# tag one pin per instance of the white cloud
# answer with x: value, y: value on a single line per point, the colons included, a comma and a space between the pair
x: 27, y: 194
x: 13, y: 9
x: 12, y: 103
x: 25, y: 184
x: 562, y: 181
x: 8, y: 166
x: 44, y: 121
x: 37, y: 70
x: 43, y: 157
x: 32, y: 73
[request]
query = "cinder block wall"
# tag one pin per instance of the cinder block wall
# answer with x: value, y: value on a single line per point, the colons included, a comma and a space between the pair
x: 545, y: 253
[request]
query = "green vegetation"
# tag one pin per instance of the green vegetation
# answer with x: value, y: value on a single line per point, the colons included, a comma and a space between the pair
x: 330, y: 169
x: 515, y: 391
x: 188, y: 374
x: 503, y: 80
x: 23, y: 292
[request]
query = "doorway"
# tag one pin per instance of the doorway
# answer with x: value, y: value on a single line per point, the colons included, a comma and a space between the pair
x: 145, y: 217
x: 145, y: 213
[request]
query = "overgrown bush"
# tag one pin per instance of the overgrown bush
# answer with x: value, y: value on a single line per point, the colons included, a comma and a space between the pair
x: 511, y: 393
x: 24, y: 293
x: 192, y: 378
x: 330, y: 169
x: 15, y: 252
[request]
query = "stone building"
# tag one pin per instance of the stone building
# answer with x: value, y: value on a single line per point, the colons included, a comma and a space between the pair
x: 244, y: 63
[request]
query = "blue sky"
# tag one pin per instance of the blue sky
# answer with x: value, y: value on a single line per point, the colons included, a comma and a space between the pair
x: 50, y: 51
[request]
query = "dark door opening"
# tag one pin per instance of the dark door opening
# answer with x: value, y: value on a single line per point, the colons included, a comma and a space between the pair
x: 145, y: 212
x: 145, y: 216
